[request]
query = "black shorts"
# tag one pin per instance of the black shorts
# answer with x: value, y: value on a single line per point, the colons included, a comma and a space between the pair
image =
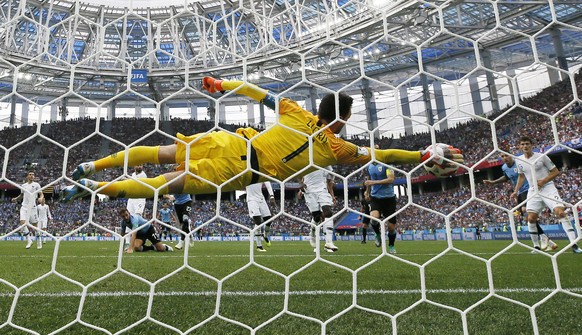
x: 183, y: 209
x: 365, y: 219
x: 149, y: 234
x: 166, y: 228
x: 522, y: 197
x: 386, y: 207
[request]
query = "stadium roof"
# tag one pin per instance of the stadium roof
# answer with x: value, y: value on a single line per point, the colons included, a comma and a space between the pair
x: 98, y: 42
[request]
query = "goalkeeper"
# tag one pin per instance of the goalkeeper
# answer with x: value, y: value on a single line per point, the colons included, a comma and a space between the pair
x: 223, y: 158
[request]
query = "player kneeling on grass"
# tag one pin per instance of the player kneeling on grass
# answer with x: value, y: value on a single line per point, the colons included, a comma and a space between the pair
x: 139, y: 237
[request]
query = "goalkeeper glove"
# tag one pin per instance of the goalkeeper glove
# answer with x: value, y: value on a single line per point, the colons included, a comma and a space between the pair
x: 451, y: 153
x: 212, y: 85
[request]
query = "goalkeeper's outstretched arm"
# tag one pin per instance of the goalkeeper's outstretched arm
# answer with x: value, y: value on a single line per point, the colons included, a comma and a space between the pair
x: 263, y: 96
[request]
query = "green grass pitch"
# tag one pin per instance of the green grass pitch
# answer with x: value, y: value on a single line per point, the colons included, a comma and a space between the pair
x: 220, y: 289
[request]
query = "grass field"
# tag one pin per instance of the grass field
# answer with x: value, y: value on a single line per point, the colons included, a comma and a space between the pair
x: 218, y: 289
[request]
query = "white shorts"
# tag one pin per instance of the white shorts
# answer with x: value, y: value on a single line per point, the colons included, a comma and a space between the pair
x: 29, y: 215
x: 316, y: 200
x: 136, y: 206
x: 42, y: 224
x: 258, y: 208
x: 547, y: 197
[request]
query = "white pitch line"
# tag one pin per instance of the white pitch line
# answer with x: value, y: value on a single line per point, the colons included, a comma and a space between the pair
x: 281, y: 293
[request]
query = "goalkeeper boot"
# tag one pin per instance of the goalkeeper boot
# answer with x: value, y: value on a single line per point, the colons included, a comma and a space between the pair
x: 576, y: 249
x: 330, y: 247
x: 83, y: 170
x: 391, y: 250
x: 378, y: 240
x: 168, y: 248
x: 261, y: 249
x: 267, y: 241
x: 180, y: 245
x: 73, y: 192
x: 536, y: 250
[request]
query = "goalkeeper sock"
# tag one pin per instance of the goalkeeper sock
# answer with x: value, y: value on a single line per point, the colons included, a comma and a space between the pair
x: 533, y: 233
x: 568, y: 229
x: 364, y: 234
x: 391, y: 238
x: 133, y: 189
x: 397, y: 156
x: 137, y: 156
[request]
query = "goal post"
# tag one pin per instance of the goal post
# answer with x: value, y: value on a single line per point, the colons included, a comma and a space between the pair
x: 81, y: 81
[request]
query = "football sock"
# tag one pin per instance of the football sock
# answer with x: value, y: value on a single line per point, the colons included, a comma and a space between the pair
x: 533, y: 233
x: 364, y: 234
x: 328, y: 225
x: 568, y: 229
x: 148, y: 247
x: 376, y: 228
x: 267, y: 226
x: 540, y: 230
x: 137, y: 156
x: 391, y: 238
x: 258, y: 238
x: 185, y: 225
x: 133, y: 189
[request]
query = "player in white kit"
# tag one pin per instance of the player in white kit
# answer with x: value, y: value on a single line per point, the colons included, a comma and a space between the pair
x: 259, y: 210
x: 319, y: 197
x: 31, y: 190
x: 135, y: 206
x: 44, y: 215
x: 539, y: 170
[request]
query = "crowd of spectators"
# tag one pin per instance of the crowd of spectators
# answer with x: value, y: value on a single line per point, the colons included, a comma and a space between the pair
x: 474, y: 138
x: 228, y: 219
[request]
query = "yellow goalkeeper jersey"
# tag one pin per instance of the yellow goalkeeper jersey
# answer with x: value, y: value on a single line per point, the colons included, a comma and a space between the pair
x: 284, y: 149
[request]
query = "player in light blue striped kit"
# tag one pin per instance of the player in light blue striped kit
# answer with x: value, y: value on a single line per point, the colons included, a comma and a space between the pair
x: 138, y: 238
x: 380, y: 191
x: 166, y: 215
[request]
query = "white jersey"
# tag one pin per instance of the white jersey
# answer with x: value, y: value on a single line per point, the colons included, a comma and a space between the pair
x: 137, y: 206
x: 44, y: 212
x: 29, y: 194
x: 316, y: 181
x: 535, y: 168
x: 255, y: 191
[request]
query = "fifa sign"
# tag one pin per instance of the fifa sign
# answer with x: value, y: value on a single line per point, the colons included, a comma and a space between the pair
x: 139, y: 76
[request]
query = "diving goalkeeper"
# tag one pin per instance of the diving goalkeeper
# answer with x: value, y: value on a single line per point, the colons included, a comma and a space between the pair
x: 232, y: 160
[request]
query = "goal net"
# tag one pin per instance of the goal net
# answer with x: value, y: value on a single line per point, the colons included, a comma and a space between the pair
x: 82, y: 80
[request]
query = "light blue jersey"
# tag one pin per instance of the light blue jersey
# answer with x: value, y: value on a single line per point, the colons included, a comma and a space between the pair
x: 380, y: 172
x: 181, y: 199
x: 512, y: 174
x: 134, y: 222
x: 166, y: 215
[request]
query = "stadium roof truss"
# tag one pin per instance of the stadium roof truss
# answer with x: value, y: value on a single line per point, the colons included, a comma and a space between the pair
x: 332, y: 41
